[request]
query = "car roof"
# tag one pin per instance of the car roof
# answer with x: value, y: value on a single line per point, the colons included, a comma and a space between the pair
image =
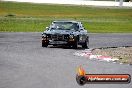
x: 66, y: 21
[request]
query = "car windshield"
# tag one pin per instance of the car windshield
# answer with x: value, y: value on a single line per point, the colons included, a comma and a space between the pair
x: 64, y: 26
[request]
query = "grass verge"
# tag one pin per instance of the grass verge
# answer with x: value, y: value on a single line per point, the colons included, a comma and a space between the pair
x: 29, y: 17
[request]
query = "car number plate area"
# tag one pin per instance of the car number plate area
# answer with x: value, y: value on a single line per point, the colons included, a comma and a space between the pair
x: 57, y: 42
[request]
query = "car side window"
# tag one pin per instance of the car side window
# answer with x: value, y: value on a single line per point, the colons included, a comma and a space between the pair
x: 75, y: 26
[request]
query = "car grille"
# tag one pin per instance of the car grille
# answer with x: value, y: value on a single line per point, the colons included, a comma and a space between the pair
x: 59, y: 37
x: 48, y: 36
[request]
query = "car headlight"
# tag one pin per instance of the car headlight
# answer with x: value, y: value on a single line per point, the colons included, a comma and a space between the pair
x: 71, y: 36
x: 44, y: 35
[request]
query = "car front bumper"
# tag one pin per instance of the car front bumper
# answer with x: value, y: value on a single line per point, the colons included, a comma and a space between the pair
x: 58, y: 42
x: 52, y: 42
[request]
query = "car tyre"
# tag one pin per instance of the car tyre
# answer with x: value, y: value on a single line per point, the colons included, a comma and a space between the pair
x: 86, y: 44
x: 44, y: 44
x: 75, y: 46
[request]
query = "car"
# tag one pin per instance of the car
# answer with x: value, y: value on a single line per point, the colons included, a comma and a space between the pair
x: 69, y: 33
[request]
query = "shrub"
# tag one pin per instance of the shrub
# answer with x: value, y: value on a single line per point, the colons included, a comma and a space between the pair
x: 10, y: 15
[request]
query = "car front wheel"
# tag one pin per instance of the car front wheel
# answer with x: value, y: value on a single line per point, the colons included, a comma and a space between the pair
x: 86, y: 44
x: 44, y: 44
x: 75, y: 45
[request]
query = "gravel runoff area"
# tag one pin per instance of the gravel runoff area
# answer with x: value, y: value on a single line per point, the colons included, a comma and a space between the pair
x: 124, y: 54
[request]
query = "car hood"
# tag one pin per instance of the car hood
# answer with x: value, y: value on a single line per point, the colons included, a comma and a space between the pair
x: 59, y: 32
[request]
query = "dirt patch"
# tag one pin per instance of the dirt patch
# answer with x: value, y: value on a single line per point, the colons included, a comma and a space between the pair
x: 124, y: 54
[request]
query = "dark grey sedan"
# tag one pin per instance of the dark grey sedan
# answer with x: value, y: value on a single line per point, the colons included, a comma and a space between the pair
x: 70, y: 33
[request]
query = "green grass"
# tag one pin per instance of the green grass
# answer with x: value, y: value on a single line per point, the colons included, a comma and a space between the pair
x: 26, y: 17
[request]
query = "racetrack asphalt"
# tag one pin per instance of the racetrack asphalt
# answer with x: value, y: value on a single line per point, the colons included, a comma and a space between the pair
x: 25, y: 64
